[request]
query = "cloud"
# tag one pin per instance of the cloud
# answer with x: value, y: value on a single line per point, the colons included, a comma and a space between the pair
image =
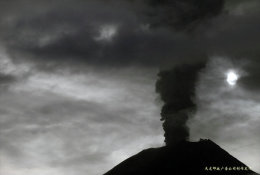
x: 53, y: 123
x: 106, y: 33
x: 182, y: 15
x: 58, y: 35
x: 6, y: 80
x: 67, y: 35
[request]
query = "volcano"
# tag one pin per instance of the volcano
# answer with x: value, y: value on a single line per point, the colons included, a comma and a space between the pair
x: 185, y: 158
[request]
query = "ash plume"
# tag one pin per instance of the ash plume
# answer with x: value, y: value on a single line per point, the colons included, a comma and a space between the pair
x: 176, y: 88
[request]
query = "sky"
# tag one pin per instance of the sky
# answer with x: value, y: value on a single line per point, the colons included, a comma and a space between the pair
x: 78, y: 79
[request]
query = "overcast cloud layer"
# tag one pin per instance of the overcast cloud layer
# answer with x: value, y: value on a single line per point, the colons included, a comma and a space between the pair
x: 77, y: 80
x: 64, y: 123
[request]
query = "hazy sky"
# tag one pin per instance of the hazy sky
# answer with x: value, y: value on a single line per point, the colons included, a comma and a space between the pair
x: 77, y: 79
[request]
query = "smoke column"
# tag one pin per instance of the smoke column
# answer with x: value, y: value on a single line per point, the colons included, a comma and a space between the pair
x: 176, y: 88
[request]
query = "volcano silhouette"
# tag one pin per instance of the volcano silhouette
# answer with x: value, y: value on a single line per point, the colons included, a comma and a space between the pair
x: 185, y: 158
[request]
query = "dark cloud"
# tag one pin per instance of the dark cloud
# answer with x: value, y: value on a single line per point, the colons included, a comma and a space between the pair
x: 177, y: 90
x: 250, y: 80
x: 6, y: 80
x: 182, y: 14
x: 65, y: 34
x: 128, y: 47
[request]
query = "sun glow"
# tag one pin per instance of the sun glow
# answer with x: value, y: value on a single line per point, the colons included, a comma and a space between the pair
x: 232, y: 78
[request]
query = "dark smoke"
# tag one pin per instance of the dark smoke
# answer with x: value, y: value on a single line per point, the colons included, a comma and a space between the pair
x: 177, y: 90
x: 177, y: 86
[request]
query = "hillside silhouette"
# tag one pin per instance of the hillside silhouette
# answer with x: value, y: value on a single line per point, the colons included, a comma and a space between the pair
x: 185, y: 158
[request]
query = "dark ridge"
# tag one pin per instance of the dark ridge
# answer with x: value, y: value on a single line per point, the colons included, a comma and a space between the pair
x: 185, y: 158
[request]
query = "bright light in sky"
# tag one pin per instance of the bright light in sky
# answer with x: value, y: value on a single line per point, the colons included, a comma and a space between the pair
x: 232, y: 78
